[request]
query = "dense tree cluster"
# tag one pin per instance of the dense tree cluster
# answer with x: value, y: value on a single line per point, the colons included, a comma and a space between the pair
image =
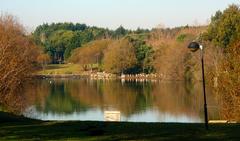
x: 59, y: 39
x: 124, y: 55
x: 120, y: 57
x: 172, y: 60
x: 90, y: 53
x: 229, y: 85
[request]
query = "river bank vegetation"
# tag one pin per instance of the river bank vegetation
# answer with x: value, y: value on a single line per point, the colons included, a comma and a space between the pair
x: 161, y: 51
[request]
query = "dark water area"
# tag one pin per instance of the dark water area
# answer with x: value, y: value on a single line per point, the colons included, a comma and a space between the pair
x: 85, y: 99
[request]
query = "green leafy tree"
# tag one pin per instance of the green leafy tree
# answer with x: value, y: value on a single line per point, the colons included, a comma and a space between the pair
x: 120, y: 32
x: 60, y: 40
x: 144, y: 54
x: 225, y: 27
x: 74, y: 42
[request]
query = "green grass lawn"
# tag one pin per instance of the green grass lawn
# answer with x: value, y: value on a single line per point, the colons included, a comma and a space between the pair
x: 61, y: 69
x: 19, y: 128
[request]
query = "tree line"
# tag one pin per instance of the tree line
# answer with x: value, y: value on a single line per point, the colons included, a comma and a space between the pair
x: 59, y: 39
x: 126, y: 55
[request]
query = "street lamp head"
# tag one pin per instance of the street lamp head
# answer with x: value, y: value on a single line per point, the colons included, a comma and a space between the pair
x: 194, y: 46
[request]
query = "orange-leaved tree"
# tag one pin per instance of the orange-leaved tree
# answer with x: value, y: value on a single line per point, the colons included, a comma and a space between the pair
x: 17, y: 56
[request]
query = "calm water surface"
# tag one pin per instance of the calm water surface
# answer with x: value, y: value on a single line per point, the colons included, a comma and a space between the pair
x: 84, y: 99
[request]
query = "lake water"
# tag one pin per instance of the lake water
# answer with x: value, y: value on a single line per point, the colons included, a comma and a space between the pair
x: 86, y: 100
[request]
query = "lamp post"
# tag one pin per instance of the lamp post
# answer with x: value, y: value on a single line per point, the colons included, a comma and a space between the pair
x: 194, y: 46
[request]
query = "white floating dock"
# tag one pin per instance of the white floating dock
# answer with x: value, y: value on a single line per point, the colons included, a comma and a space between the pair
x: 112, y: 115
x: 217, y: 121
x: 221, y: 121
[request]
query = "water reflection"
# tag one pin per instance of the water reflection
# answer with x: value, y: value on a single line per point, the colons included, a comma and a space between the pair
x: 84, y: 99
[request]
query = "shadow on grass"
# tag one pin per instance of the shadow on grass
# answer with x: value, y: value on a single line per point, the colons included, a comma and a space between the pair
x: 116, y: 131
x: 26, y: 129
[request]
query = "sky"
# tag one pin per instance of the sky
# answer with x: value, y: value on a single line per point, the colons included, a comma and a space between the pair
x: 131, y: 14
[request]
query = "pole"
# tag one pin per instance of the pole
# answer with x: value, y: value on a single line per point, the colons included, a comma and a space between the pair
x: 204, y: 92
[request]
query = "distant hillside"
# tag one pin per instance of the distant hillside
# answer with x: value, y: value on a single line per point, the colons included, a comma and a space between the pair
x: 162, y: 51
x: 59, y: 39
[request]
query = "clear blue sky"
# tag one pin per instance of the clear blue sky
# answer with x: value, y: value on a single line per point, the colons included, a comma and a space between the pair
x: 113, y: 13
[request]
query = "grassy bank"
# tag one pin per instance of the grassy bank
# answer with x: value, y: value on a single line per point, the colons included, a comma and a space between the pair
x: 19, y: 128
x: 54, y: 69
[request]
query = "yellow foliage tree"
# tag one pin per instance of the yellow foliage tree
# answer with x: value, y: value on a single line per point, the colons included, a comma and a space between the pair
x: 43, y: 59
x: 119, y: 57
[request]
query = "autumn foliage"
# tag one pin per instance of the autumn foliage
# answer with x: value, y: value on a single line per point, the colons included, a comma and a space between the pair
x: 172, y: 59
x: 229, y: 87
x: 119, y: 57
x: 17, y: 55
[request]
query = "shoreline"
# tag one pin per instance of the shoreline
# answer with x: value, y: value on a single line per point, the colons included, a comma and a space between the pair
x: 108, y: 76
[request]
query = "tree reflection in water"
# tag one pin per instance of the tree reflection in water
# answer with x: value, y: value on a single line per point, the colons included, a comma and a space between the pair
x: 137, y: 101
